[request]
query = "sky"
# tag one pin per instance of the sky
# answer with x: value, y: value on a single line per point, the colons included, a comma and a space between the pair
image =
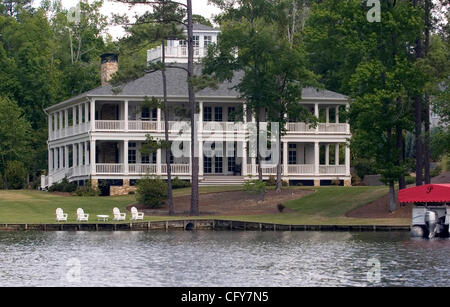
x: 200, y: 7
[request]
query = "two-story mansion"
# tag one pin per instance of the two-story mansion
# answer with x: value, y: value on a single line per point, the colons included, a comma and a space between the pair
x: 98, y: 135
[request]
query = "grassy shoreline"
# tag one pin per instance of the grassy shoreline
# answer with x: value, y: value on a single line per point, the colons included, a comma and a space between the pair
x: 327, y: 206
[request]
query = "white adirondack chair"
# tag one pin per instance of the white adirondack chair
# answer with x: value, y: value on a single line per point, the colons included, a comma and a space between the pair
x: 60, y: 215
x: 118, y: 216
x: 81, y: 216
x: 135, y: 215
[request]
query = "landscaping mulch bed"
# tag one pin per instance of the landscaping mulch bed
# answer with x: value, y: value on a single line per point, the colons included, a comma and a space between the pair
x: 231, y: 203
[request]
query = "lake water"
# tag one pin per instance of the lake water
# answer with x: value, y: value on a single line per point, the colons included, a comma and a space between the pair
x: 207, y: 258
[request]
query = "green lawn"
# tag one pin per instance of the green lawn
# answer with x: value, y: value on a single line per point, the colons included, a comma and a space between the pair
x: 327, y: 205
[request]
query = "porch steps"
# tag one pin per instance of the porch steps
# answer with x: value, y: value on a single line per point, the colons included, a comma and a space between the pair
x: 221, y: 181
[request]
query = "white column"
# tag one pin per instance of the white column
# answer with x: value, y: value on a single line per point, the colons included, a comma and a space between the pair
x: 86, y: 112
x: 347, y: 108
x: 66, y: 157
x: 92, y: 115
x: 327, y: 154
x: 316, y: 158
x: 50, y: 160
x: 74, y: 117
x: 158, y: 160
x: 60, y: 113
x: 336, y: 154
x: 80, y: 113
x: 125, y: 157
x: 244, y: 111
x: 285, y: 158
x: 50, y: 130
x: 80, y: 154
x: 200, y: 157
x: 244, y: 158
x: 125, y: 115
x: 200, y: 119
x: 61, y: 157
x: 316, y: 114
x: 337, y: 115
x: 66, y: 118
x: 55, y: 159
x: 254, y: 166
x: 92, y: 157
x: 86, y: 152
x: 327, y: 115
x: 347, y: 160
x: 74, y: 155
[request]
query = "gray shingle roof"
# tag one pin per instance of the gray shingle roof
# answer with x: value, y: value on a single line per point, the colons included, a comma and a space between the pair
x: 200, y: 27
x: 151, y: 85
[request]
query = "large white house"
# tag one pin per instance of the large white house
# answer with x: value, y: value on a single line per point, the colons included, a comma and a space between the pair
x: 98, y: 135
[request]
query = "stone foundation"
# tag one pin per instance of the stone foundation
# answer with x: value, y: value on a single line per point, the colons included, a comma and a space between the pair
x: 121, y: 190
x: 94, y: 183
x: 347, y: 183
x: 317, y: 183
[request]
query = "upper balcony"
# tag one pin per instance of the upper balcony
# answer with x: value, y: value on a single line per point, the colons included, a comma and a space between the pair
x: 176, y: 54
x: 218, y: 118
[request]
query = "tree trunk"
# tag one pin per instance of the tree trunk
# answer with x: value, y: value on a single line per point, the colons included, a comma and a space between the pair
x: 166, y: 133
x: 193, y: 109
x: 258, y: 153
x: 400, y: 148
x: 426, y: 146
x: 391, y: 196
x: 279, y: 166
x: 418, y: 119
x: 426, y: 115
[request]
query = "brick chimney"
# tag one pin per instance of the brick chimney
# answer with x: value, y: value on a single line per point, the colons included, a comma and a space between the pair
x: 109, y: 66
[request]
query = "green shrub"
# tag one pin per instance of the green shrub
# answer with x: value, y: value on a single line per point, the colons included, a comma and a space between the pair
x: 335, y: 182
x: 63, y: 186
x: 255, y: 187
x: 177, y: 183
x: 151, y: 192
x: 16, y: 175
x: 272, y: 181
x: 436, y: 171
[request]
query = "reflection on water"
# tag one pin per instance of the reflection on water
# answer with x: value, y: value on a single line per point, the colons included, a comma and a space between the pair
x: 206, y: 258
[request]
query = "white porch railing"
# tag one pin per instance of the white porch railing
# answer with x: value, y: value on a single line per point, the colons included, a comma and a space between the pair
x: 299, y: 169
x: 174, y: 52
x: 57, y: 175
x: 300, y: 127
x: 142, y: 168
x: 332, y: 169
x: 177, y: 126
x: 69, y: 131
x: 109, y: 168
x: 177, y: 169
x: 136, y: 125
x: 223, y: 126
x: 109, y: 125
x: 266, y: 170
x: 333, y: 128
